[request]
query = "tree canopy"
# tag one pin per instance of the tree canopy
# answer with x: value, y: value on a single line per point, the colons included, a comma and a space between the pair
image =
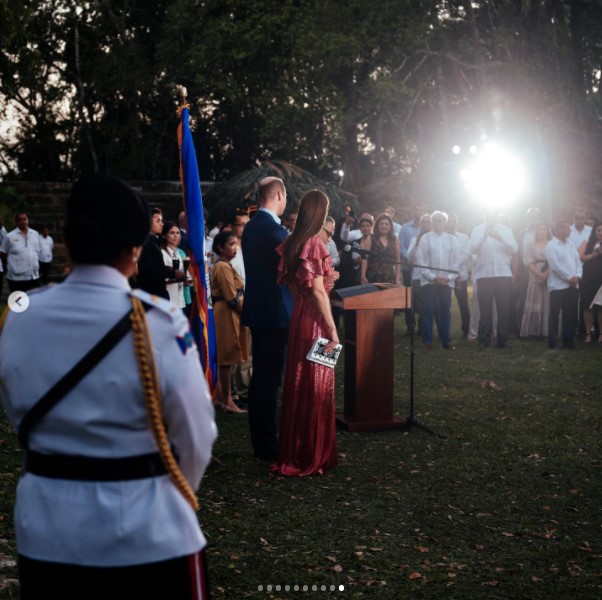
x: 373, y: 90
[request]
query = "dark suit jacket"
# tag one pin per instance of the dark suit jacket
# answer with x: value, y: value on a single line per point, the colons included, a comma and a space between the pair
x: 152, y: 271
x: 266, y: 304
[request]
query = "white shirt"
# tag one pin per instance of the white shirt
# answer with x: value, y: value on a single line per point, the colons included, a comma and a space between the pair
x: 176, y: 289
x: 437, y: 250
x: 463, y: 255
x: 331, y: 248
x: 350, y: 235
x: 115, y: 523
x: 494, y: 257
x: 577, y: 238
x: 564, y: 262
x: 238, y: 264
x: 46, y: 246
x: 22, y: 254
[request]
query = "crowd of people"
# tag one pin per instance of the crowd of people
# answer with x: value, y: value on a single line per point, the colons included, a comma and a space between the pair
x: 148, y: 440
x: 25, y: 255
x: 525, y: 284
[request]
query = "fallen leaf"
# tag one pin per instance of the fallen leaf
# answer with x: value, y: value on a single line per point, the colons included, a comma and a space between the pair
x: 415, y: 575
x: 337, y: 569
x: 422, y: 549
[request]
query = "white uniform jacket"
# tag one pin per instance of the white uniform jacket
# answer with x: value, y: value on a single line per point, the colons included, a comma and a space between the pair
x: 114, y: 523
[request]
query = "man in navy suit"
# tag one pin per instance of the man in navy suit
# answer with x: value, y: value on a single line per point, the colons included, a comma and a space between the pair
x: 266, y: 311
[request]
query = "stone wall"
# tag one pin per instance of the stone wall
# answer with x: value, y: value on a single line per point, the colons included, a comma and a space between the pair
x: 46, y: 206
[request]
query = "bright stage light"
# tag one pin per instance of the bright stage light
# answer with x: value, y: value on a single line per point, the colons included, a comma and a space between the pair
x: 495, y: 178
x: 456, y: 149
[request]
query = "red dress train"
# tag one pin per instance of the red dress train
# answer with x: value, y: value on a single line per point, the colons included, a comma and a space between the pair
x: 307, y: 443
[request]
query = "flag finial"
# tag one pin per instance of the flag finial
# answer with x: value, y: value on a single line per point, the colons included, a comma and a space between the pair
x: 182, y: 92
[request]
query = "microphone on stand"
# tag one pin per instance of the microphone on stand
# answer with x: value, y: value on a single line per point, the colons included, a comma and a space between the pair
x: 355, y: 247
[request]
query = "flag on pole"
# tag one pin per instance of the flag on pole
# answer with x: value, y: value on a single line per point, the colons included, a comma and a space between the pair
x: 201, y: 318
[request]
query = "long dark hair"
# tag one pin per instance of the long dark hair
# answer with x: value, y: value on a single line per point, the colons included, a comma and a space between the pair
x: 376, y: 233
x: 313, y: 208
x: 166, y: 227
x: 589, y: 247
x: 220, y: 241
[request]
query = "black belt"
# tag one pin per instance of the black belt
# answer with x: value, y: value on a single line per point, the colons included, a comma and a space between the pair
x: 87, y: 468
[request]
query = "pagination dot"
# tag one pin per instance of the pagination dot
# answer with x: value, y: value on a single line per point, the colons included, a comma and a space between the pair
x: 297, y: 588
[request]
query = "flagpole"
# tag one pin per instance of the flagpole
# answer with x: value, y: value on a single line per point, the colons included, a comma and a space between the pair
x: 201, y: 317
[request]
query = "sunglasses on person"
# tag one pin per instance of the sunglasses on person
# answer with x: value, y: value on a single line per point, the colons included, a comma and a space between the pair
x: 328, y: 233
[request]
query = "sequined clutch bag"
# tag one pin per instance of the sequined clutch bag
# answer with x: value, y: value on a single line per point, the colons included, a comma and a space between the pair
x: 317, y: 354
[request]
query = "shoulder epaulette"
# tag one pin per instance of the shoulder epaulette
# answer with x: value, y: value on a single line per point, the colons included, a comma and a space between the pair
x: 161, y: 304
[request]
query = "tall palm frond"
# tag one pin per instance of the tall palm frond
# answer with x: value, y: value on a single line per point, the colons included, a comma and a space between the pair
x: 241, y: 191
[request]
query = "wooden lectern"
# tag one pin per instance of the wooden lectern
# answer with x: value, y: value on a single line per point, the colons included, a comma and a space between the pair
x: 369, y: 355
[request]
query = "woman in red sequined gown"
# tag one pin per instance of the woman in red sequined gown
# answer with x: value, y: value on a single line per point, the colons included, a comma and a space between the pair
x: 307, y: 443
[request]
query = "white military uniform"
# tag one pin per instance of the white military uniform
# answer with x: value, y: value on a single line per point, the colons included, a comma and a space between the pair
x: 104, y: 523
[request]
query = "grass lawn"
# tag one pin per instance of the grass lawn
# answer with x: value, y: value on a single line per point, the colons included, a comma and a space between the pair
x: 507, y: 505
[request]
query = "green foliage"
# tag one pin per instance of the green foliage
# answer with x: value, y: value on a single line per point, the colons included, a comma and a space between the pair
x: 375, y: 89
x: 240, y: 191
x: 10, y: 202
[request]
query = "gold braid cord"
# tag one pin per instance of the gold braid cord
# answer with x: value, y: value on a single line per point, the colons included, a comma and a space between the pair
x: 3, y: 317
x: 145, y: 357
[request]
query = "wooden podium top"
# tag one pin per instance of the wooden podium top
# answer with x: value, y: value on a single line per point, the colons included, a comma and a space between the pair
x: 373, y: 296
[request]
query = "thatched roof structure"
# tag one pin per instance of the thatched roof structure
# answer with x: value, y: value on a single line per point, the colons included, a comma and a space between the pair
x: 241, y: 190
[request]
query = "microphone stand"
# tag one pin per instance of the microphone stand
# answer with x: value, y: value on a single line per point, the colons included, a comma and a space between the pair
x: 411, y: 420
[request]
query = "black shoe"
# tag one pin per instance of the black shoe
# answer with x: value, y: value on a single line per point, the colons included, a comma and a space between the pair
x: 501, y: 345
x: 448, y: 347
x: 266, y: 455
